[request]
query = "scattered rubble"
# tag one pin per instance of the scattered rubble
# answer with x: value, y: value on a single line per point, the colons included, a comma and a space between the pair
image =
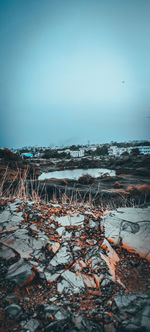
x: 67, y: 268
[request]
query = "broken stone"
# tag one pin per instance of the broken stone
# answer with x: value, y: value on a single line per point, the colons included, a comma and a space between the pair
x: 61, y: 315
x: 12, y: 298
x: 145, y: 319
x: 92, y: 252
x: 122, y: 301
x: 111, y: 258
x: 4, y: 216
x: 63, y: 256
x: 52, y: 277
x: 14, y: 311
x: 6, y: 252
x: 20, y: 272
x: 93, y: 223
x: 88, y: 280
x: 9, y: 220
x: 71, y: 220
x: 47, y: 310
x: 132, y: 226
x: 60, y: 230
x: 109, y: 327
x: 76, y: 248
x: 52, y: 299
x: 31, y: 325
x: 138, y: 308
x: 78, y: 265
x: 24, y: 244
x: 81, y: 323
x: 55, y: 247
x: 71, y: 283
x: 34, y: 228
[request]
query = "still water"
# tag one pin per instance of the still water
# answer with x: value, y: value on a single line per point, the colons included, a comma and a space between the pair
x: 75, y: 174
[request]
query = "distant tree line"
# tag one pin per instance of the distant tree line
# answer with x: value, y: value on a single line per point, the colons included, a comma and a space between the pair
x: 100, y: 151
x: 52, y: 153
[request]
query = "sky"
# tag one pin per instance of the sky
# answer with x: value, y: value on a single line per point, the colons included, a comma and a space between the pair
x: 74, y: 71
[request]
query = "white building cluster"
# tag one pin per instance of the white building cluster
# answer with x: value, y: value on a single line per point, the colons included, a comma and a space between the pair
x: 114, y: 150
x: 144, y: 149
x: 75, y: 153
x: 117, y: 151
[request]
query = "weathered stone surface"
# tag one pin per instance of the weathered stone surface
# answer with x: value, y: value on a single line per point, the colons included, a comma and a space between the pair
x: 55, y: 247
x: 132, y: 227
x: 4, y: 216
x: 20, y: 273
x: 88, y: 280
x: 14, y: 311
x: 63, y: 256
x: 70, y: 283
x: 71, y: 220
x: 25, y: 244
x: 137, y: 306
x: 123, y: 301
x: 12, y: 298
x: 93, y: 223
x: 111, y: 258
x: 63, y: 233
x: 9, y: 218
x: 31, y: 325
x: 61, y: 315
x: 6, y: 252
x: 81, y: 323
x: 50, y: 277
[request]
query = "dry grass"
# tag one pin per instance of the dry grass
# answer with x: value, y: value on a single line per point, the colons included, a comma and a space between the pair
x: 144, y: 188
x: 20, y: 186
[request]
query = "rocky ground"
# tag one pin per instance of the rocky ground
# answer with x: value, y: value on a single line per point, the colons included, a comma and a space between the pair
x: 69, y: 267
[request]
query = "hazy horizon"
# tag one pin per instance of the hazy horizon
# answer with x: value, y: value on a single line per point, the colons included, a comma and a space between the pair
x: 74, y: 71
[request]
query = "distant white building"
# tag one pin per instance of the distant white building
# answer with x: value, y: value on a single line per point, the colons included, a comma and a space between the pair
x: 74, y: 153
x: 117, y: 151
x: 144, y: 149
x: 77, y: 153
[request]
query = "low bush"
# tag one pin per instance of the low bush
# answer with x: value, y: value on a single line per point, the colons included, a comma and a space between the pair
x: 86, y: 179
x: 144, y: 189
x: 118, y: 185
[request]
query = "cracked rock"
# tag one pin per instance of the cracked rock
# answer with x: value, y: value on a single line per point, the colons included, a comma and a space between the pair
x: 132, y: 226
x: 20, y: 272
x: 71, y: 220
x: 63, y: 256
x: 71, y: 283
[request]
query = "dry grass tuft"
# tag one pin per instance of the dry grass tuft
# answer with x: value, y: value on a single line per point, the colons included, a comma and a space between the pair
x: 144, y: 189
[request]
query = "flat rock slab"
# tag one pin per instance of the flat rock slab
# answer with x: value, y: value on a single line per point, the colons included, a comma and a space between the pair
x: 132, y: 227
x: 20, y: 272
x: 25, y: 244
x: 71, y: 220
x: 31, y: 325
x: 63, y: 256
x: 10, y: 219
x: 137, y: 306
x: 6, y: 253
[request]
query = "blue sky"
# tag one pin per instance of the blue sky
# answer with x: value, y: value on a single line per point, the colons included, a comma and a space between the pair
x: 73, y: 71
